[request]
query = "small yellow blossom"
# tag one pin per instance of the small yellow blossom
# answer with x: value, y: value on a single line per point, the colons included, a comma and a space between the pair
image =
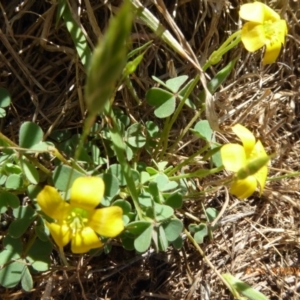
x: 265, y: 28
x: 78, y: 221
x: 249, y: 162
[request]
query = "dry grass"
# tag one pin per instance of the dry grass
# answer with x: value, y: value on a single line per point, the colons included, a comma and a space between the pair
x: 257, y: 240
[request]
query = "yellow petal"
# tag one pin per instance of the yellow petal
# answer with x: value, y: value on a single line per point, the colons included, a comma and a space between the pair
x: 246, y: 137
x: 261, y: 177
x: 253, y: 36
x: 52, y: 204
x: 107, y: 221
x: 85, y: 240
x: 258, y: 12
x: 258, y: 151
x: 233, y: 157
x: 87, y: 192
x: 272, y: 51
x: 244, y: 188
x: 61, y: 233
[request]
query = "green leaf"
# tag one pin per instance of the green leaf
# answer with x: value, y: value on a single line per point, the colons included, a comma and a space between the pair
x: 144, y: 177
x: 39, y: 255
x: 165, y: 102
x: 200, y: 231
x: 117, y: 171
x: 24, y: 216
x: 64, y: 176
x: 174, y: 200
x: 5, y: 98
x: 26, y: 281
x: 33, y: 191
x: 11, y: 275
x: 42, y: 146
x: 111, y: 188
x: 152, y: 129
x: 239, y: 287
x: 41, y: 230
x: 135, y: 136
x: 203, y: 129
x: 137, y: 227
x: 14, y: 182
x: 163, y: 212
x: 127, y: 243
x: 153, y: 190
x: 12, y: 250
x: 78, y: 37
x: 221, y: 76
x: 164, y: 184
x: 143, y: 241
x: 8, y: 200
x: 125, y: 205
x: 2, y: 112
x: 108, y: 60
x: 173, y: 229
x: 30, y: 171
x: 174, y: 84
x: 145, y: 199
x: 30, y: 134
x: 178, y: 243
x: 162, y: 239
x: 12, y: 169
x: 211, y: 213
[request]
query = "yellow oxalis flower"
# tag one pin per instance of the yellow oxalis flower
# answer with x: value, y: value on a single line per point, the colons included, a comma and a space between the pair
x: 265, y: 28
x: 79, y: 221
x: 249, y: 162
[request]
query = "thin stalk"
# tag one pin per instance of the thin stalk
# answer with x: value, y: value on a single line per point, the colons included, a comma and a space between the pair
x: 293, y: 174
x: 119, y: 147
x: 205, y: 258
x: 176, y: 113
x: 198, y: 174
x: 31, y: 159
x: 190, y: 158
x: 163, y: 137
x: 185, y: 130
x: 62, y: 256
x: 224, y: 48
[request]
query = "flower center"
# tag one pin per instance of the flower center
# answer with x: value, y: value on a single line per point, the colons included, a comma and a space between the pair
x: 77, y: 219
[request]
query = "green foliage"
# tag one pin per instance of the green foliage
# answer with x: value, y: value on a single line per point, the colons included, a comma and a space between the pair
x: 203, y: 130
x: 18, y: 265
x: 135, y: 159
x: 165, y: 99
x: 202, y: 230
x: 239, y: 287
x: 5, y: 101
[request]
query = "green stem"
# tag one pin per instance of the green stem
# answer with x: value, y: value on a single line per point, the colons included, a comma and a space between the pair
x: 31, y: 159
x: 162, y: 137
x: 199, y: 174
x: 293, y: 174
x: 185, y: 130
x: 119, y: 147
x: 186, y: 161
x: 73, y: 163
x: 175, y: 115
x: 63, y: 257
x: 230, y: 43
x: 205, y: 258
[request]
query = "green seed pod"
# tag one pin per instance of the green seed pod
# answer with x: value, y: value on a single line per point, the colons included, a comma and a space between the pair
x: 252, y: 167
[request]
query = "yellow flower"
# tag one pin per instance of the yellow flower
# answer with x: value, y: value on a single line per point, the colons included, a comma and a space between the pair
x: 249, y: 162
x: 78, y: 221
x: 264, y: 28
